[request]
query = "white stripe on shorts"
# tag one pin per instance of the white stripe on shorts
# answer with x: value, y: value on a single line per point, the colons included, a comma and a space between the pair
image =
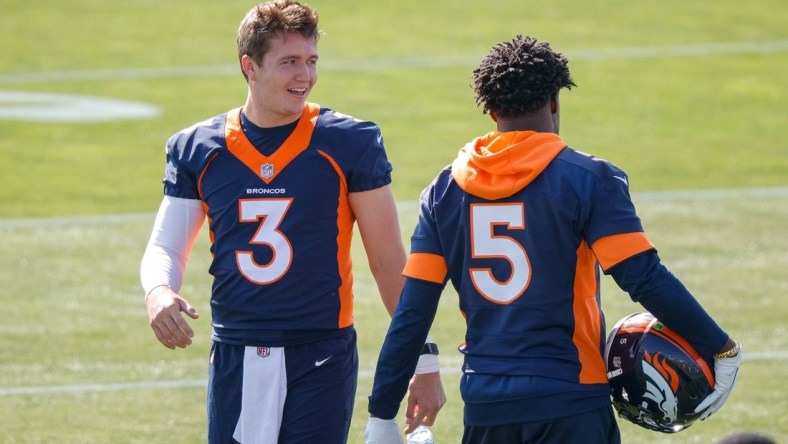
x: 262, y: 396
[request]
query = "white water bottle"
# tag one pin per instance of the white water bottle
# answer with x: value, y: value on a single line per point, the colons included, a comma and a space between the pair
x: 421, y: 435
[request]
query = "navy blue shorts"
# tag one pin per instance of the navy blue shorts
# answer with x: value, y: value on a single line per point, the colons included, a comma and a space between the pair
x: 295, y: 394
x: 597, y: 426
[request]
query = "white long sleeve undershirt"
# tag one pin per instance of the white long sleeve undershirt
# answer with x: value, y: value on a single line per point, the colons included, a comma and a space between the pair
x: 175, y: 230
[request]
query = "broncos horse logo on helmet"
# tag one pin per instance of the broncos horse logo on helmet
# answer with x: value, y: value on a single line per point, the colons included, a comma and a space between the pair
x: 661, y: 385
x: 656, y: 377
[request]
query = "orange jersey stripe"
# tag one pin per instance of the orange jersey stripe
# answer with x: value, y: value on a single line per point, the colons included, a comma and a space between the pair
x: 588, y: 323
x: 427, y: 267
x: 345, y: 221
x: 204, y: 203
x: 611, y: 250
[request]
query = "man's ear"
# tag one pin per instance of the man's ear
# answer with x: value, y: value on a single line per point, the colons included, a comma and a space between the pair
x: 248, y: 65
x: 494, y: 116
x: 554, y: 104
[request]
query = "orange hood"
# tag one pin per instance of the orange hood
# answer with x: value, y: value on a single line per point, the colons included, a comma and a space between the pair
x: 498, y: 165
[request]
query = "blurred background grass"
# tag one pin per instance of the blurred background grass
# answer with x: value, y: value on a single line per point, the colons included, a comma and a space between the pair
x: 662, y: 91
x: 681, y: 95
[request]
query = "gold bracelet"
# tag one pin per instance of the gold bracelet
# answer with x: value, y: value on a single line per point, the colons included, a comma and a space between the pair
x: 729, y: 353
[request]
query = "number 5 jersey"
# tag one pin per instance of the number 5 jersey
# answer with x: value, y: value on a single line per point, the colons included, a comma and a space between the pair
x: 519, y: 223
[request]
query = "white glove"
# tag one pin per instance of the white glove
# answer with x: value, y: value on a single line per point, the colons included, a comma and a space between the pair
x: 725, y: 371
x: 382, y: 431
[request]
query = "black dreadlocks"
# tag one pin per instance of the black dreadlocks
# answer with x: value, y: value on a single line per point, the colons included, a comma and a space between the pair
x: 519, y: 76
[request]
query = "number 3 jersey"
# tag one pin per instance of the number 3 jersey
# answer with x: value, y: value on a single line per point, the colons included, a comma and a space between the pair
x: 279, y: 218
x: 519, y: 224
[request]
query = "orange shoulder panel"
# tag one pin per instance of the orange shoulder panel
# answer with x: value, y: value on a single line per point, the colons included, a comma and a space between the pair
x: 611, y: 250
x: 427, y: 267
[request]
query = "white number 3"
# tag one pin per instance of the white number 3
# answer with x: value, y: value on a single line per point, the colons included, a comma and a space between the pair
x: 271, y: 211
x: 485, y: 244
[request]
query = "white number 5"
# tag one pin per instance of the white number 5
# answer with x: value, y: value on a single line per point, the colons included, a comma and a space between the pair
x: 485, y: 244
x: 271, y: 211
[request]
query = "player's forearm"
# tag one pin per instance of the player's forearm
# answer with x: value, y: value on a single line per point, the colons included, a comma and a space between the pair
x: 161, y: 268
x: 174, y: 231
x: 390, y: 286
x: 402, y: 346
x: 376, y: 215
x: 386, y: 262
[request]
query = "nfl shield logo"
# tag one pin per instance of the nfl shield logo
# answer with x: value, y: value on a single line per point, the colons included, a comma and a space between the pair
x: 266, y: 170
x: 263, y: 351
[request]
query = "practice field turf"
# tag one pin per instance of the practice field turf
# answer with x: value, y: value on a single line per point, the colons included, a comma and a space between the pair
x: 688, y: 97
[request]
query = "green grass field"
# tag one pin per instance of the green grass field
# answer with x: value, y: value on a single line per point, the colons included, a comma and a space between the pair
x: 688, y: 97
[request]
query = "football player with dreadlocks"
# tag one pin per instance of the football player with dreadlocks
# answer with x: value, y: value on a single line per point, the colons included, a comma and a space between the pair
x: 521, y: 225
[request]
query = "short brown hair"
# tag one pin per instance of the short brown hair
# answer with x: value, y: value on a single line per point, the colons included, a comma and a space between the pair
x: 267, y: 20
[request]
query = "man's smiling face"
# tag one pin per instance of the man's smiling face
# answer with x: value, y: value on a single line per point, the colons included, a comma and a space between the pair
x: 282, y: 82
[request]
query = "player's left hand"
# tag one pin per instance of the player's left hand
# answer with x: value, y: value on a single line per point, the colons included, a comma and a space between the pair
x: 382, y: 431
x: 725, y: 372
x: 425, y: 399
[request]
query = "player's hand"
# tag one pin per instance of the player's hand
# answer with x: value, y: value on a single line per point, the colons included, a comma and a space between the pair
x: 164, y: 313
x: 382, y: 431
x: 725, y: 371
x: 425, y: 399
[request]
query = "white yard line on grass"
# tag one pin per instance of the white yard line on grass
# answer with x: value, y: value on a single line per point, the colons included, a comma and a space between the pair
x: 410, y: 62
x: 201, y: 383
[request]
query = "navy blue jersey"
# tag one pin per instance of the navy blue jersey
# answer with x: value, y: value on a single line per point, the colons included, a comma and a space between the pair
x: 524, y: 259
x: 280, y: 224
x: 522, y: 226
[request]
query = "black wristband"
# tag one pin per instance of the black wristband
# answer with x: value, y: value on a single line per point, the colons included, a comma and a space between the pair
x: 429, y: 349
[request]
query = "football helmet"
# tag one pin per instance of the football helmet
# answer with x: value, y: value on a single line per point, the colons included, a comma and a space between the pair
x: 656, y: 377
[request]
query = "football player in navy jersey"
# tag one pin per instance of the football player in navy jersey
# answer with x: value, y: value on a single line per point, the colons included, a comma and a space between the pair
x: 521, y: 224
x: 282, y: 182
